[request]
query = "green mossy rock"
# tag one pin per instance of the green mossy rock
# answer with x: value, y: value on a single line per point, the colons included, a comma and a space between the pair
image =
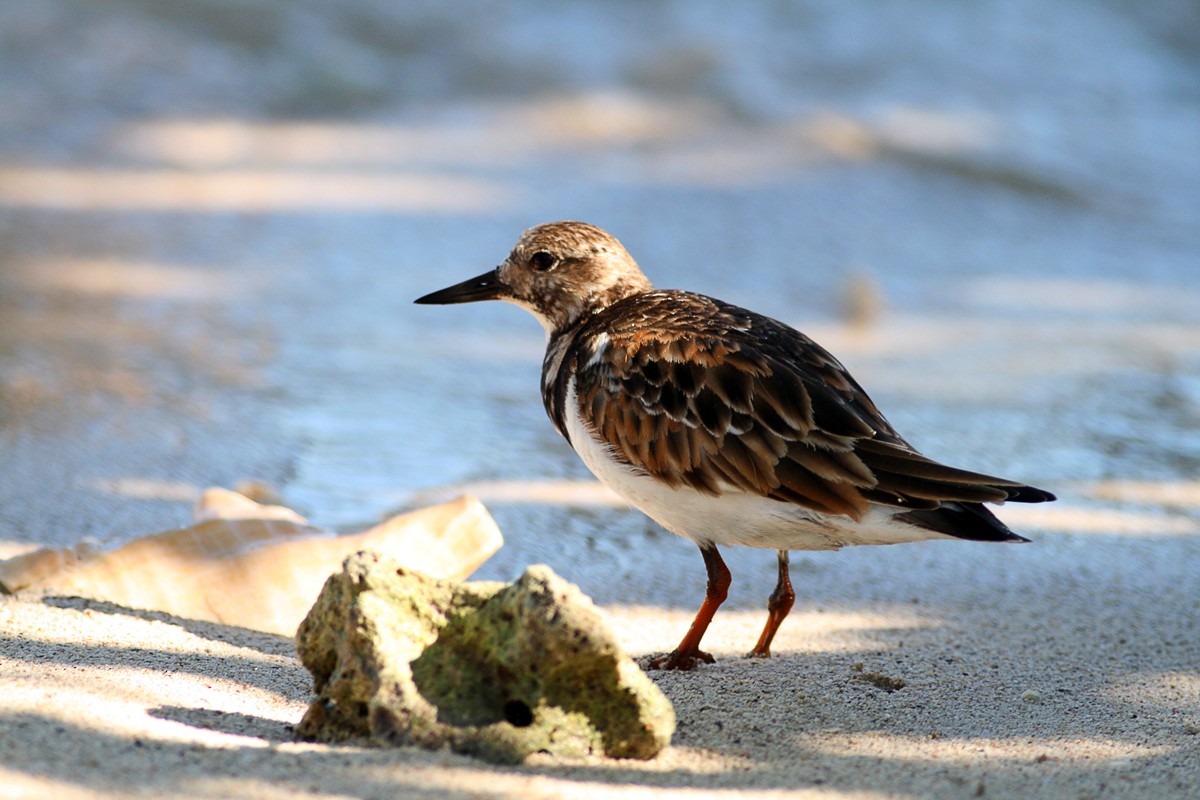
x: 499, y: 671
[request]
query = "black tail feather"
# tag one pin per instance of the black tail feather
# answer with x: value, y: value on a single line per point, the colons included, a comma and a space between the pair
x: 1031, y: 494
x: 971, y: 521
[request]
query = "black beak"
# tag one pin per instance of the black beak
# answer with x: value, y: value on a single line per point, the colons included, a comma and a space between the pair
x: 482, y: 287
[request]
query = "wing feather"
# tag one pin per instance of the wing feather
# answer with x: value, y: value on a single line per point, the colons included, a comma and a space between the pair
x: 720, y: 399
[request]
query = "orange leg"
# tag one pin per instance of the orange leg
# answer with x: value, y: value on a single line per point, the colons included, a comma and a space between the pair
x: 778, y: 606
x: 688, y: 654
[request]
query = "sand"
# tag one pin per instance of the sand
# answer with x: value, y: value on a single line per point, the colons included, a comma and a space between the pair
x: 1025, y: 674
x: 214, y: 217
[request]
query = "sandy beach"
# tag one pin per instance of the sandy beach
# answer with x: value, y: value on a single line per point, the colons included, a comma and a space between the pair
x: 1059, y: 669
x: 215, y: 216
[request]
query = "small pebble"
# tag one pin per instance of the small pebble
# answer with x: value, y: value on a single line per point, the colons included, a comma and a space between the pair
x: 862, y: 301
x: 1030, y: 696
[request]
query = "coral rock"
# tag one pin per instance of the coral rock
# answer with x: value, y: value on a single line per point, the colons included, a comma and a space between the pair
x: 499, y: 671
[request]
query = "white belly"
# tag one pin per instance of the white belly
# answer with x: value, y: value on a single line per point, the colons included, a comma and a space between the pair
x: 734, y: 517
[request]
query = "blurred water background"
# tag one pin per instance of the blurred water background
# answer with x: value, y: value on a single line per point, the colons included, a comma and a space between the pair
x: 214, y: 216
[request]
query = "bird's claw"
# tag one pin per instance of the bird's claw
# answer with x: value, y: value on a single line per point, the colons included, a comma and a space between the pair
x: 681, y: 661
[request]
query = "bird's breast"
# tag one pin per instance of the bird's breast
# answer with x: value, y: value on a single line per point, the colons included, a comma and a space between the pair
x: 730, y: 518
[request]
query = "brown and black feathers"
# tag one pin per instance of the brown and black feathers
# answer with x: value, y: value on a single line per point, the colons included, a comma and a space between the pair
x: 700, y: 393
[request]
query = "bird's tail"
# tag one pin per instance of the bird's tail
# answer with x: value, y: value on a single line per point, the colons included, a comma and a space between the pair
x: 971, y: 521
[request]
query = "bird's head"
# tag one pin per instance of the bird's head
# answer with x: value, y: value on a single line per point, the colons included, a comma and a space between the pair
x: 559, y: 272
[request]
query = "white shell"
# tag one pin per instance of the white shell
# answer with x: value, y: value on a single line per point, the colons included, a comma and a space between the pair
x: 263, y: 574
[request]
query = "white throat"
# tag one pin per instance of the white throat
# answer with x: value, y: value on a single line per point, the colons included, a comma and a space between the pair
x: 546, y: 324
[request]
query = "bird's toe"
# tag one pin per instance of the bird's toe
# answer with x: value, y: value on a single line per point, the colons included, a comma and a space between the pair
x: 680, y: 660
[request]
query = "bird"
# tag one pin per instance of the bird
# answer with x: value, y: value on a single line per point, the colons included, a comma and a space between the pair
x: 724, y: 426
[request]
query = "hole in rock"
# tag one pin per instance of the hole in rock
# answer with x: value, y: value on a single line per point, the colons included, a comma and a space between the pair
x: 518, y: 713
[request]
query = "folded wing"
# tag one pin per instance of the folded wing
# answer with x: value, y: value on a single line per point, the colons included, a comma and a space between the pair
x: 722, y: 399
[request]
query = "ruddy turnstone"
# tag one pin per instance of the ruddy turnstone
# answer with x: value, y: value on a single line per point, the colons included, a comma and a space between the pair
x: 722, y: 425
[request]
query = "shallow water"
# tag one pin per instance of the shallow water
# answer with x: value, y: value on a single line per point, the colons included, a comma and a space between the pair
x: 208, y: 278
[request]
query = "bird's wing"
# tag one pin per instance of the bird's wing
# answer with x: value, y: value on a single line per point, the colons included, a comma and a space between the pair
x: 728, y: 400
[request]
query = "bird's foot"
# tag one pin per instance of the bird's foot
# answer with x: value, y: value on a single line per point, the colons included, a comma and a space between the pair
x: 687, y: 660
x: 759, y: 652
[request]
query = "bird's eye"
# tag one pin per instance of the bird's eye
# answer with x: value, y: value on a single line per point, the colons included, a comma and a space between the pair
x: 541, y: 261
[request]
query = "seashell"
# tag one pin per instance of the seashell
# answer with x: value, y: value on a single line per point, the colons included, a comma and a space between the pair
x: 263, y: 574
x: 218, y: 503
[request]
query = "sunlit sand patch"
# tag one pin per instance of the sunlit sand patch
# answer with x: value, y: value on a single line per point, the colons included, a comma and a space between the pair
x: 734, y: 161
x: 242, y: 190
x: 216, y: 785
x: 1174, y: 494
x: 971, y: 751
x: 379, y: 767
x: 949, y: 350
x: 212, y: 143
x: 583, y: 493
x: 840, y: 135
x: 608, y: 118
x: 543, y: 787
x: 115, y: 700
x: 693, y: 760
x: 494, y: 136
x: 647, y: 629
x: 119, y: 694
x: 148, y: 489
x: 1169, y: 690
x: 937, y: 130
x: 707, y: 147
x: 899, y: 336
x: 1098, y: 521
x: 20, y: 784
x: 1059, y: 517
x: 137, y: 280
x: 958, y: 143
x: 900, y: 128
x: 169, y: 638
x: 1092, y: 295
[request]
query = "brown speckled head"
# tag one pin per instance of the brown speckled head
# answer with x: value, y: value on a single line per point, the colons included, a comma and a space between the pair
x: 559, y: 272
